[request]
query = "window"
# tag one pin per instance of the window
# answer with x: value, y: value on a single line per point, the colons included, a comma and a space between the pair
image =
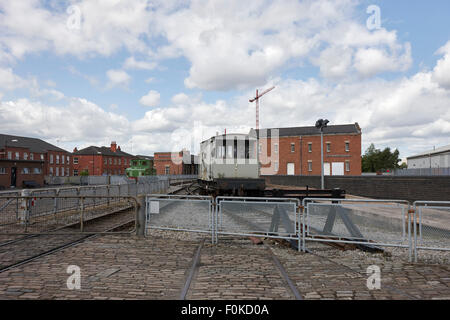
x: 167, y: 170
x: 26, y: 171
x: 57, y: 171
x: 9, y: 155
x: 62, y: 159
x: 75, y: 173
x: 51, y: 159
x: 115, y: 161
x: 124, y: 161
x: 57, y: 159
x: 68, y: 159
x: 2, y: 170
x: 120, y: 161
x: 17, y: 156
x: 42, y: 157
x: 309, y: 146
x: 275, y: 166
x: 51, y: 171
x: 67, y: 172
x: 62, y: 172
x: 37, y: 170
x: 292, y: 147
x: 105, y: 161
x: 310, y: 165
x: 31, y: 156
x: 75, y: 160
x: 347, y: 146
x: 328, y: 147
x: 347, y: 166
x: 275, y: 148
x: 110, y: 160
x: 259, y: 148
x: 25, y: 156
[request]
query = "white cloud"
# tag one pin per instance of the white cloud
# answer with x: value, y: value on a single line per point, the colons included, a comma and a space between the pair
x: 441, y: 73
x: 9, y: 80
x: 117, y: 78
x: 132, y: 63
x: 79, y: 121
x: 151, y: 99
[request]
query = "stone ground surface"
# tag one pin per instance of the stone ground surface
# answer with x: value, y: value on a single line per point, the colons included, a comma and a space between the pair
x: 156, y: 267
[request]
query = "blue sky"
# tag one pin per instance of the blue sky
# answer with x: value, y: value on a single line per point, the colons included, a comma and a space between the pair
x: 142, y: 76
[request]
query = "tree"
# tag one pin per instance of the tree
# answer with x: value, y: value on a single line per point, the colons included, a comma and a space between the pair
x: 375, y: 160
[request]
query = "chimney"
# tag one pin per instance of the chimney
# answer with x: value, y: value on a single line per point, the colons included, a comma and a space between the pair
x: 75, y: 149
x: 118, y: 148
x: 113, y: 146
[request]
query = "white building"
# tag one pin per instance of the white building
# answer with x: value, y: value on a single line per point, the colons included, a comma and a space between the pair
x: 437, y: 158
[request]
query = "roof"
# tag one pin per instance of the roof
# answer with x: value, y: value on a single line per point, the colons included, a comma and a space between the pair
x: 33, y: 144
x: 430, y: 152
x: 104, y: 151
x: 141, y: 157
x: 311, y: 131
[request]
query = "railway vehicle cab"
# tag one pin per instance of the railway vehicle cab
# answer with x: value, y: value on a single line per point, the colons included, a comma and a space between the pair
x: 230, y: 162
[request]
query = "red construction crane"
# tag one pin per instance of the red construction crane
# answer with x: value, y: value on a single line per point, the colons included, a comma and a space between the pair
x: 256, y: 98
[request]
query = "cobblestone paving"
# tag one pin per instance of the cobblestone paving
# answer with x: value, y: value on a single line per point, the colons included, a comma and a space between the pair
x: 127, y: 267
x: 238, y: 270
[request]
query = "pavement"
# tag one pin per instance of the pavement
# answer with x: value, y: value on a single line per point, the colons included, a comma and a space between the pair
x: 156, y: 268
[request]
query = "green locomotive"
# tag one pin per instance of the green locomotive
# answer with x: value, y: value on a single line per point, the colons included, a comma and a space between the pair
x: 140, y: 167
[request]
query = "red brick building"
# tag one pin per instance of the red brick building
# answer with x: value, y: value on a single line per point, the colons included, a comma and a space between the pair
x: 175, y: 163
x: 297, y: 151
x: 30, y: 159
x: 98, y: 161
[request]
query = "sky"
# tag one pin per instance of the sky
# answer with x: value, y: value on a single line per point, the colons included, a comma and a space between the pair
x: 164, y: 75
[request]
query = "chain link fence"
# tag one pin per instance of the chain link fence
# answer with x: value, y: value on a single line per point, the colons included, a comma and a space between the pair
x: 432, y: 225
x: 371, y: 223
x: 180, y: 213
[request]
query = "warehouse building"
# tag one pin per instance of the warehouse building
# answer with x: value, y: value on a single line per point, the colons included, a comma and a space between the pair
x: 436, y: 158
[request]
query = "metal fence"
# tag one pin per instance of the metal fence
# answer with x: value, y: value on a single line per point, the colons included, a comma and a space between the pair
x: 258, y: 217
x: 53, y: 202
x: 432, y: 225
x: 43, y: 214
x: 423, y: 172
x: 385, y: 223
x: 111, y: 180
x: 181, y: 213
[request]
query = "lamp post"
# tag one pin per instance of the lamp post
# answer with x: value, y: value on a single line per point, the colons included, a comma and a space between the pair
x: 320, y: 124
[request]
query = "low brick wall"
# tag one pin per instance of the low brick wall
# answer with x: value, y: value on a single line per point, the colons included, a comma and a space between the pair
x: 436, y: 188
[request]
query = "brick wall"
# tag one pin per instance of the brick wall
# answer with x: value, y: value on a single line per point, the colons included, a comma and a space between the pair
x: 378, y: 187
x: 162, y: 160
x: 300, y: 154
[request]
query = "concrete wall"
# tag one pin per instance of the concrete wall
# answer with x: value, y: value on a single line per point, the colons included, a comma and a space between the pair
x: 378, y: 187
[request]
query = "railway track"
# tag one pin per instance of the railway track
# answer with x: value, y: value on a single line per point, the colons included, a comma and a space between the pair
x: 20, y: 251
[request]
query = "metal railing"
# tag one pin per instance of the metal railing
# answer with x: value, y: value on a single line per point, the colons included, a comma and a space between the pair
x: 384, y: 223
x: 39, y: 214
x: 180, y: 213
x: 258, y: 217
x: 431, y: 226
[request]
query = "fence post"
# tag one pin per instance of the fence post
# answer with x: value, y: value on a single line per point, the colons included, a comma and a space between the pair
x: 140, y: 229
x: 24, y: 208
x: 82, y: 214
x: 55, y: 202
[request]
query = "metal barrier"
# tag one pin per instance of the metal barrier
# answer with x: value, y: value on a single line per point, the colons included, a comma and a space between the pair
x: 258, y: 217
x: 432, y: 226
x: 43, y: 214
x: 385, y: 223
x: 180, y: 213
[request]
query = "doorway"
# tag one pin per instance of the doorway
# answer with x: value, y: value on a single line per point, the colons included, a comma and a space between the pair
x: 13, y: 176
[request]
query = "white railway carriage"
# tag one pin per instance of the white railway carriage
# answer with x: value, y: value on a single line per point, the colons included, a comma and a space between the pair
x: 230, y: 162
